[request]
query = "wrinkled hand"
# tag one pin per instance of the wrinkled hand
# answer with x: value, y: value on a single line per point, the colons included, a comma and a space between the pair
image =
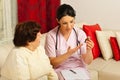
x: 73, y: 50
x: 89, y: 43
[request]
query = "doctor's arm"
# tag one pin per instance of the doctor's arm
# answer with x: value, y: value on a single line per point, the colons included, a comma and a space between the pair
x: 88, y: 57
x: 56, y: 61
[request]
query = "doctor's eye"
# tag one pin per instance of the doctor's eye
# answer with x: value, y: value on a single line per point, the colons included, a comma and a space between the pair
x: 64, y: 23
x: 72, y: 21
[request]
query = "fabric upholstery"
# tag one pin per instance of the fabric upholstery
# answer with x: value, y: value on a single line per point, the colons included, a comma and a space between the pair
x: 98, y: 64
x: 93, y: 74
x: 111, y: 71
x: 4, y: 50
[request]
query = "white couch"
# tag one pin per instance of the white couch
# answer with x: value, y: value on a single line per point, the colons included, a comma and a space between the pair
x: 100, y: 69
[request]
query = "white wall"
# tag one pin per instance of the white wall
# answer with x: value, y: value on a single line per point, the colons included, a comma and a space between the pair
x: 104, y: 12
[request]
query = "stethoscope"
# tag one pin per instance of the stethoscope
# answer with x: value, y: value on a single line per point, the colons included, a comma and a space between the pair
x: 78, y: 42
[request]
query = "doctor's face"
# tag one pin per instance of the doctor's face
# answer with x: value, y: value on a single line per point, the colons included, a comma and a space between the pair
x: 66, y: 23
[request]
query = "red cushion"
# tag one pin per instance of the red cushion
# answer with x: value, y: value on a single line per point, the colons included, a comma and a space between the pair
x: 90, y: 31
x: 115, y: 48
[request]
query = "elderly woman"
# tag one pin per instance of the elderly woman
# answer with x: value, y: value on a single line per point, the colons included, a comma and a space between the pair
x: 27, y: 60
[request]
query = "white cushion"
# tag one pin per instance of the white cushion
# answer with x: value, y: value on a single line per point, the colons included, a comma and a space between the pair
x: 118, y: 38
x: 103, y: 40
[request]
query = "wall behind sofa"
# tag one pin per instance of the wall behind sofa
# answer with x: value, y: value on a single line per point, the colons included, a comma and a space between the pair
x: 104, y: 12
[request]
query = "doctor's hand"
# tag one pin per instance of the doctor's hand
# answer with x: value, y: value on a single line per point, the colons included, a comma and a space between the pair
x: 89, y: 43
x: 73, y: 50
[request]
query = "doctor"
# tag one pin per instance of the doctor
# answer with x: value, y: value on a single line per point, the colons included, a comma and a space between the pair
x: 67, y: 45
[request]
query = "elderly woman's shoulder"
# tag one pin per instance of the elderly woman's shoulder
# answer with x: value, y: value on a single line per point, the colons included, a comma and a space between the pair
x: 41, y: 48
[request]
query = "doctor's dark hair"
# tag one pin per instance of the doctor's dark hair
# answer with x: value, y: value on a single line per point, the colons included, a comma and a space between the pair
x: 64, y: 10
x: 25, y: 32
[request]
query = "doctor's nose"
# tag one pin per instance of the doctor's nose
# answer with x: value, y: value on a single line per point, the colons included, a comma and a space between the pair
x: 69, y: 26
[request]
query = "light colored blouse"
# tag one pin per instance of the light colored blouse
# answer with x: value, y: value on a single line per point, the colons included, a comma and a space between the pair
x: 23, y: 64
x: 74, y: 60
